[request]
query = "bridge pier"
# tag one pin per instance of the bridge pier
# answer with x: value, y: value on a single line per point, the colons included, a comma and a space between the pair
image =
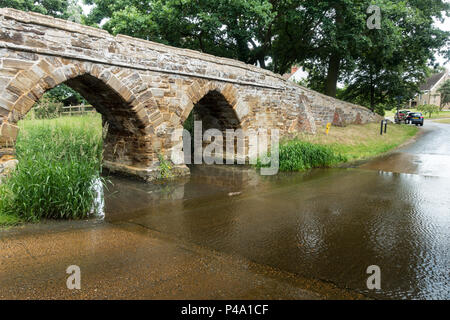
x: 123, y: 154
x: 137, y: 155
x: 8, y: 135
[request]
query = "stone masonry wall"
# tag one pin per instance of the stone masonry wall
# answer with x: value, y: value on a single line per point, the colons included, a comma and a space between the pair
x: 145, y: 90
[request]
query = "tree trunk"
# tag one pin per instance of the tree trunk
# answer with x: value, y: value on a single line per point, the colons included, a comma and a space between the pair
x: 262, y: 63
x: 335, y: 60
x: 332, y: 75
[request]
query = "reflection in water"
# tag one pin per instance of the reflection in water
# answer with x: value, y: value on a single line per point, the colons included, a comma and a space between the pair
x: 327, y: 224
x: 435, y: 165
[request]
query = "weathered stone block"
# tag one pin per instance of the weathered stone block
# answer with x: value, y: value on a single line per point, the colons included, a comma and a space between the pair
x: 8, y: 131
x: 12, y: 37
x: 47, y: 83
x: 157, y: 92
x: 242, y: 110
x: 17, y: 64
x: 59, y: 76
x: 24, y: 104
x: 5, y: 106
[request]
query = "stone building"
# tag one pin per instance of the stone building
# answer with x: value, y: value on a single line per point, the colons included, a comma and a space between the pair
x: 429, y: 93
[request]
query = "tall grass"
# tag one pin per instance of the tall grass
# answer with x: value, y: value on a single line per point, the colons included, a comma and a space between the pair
x: 297, y: 155
x: 358, y: 142
x: 59, y: 161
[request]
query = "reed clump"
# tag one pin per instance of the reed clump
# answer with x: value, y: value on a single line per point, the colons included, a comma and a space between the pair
x: 59, y: 163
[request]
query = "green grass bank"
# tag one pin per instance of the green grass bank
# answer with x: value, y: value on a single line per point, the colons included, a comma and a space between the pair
x: 359, y: 142
x: 59, y: 161
x: 340, y: 145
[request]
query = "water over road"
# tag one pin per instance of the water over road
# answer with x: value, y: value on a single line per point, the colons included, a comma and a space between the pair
x: 230, y: 233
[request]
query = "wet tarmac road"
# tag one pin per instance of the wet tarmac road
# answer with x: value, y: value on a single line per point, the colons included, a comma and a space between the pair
x: 230, y: 233
x: 428, y: 156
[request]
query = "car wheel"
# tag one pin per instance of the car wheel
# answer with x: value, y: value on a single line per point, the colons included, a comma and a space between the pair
x: 421, y: 124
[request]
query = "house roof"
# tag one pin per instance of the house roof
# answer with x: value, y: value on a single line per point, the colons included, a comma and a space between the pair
x: 432, y: 81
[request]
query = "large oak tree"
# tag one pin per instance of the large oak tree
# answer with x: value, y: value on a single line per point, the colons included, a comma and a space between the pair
x: 330, y: 38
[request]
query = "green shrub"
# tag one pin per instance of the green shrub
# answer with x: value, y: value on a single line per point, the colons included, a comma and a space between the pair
x: 59, y: 163
x: 428, y: 108
x: 47, y: 108
x: 164, y: 167
x: 297, y: 155
x: 380, y: 109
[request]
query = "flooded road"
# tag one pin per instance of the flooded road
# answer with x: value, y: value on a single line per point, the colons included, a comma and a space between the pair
x: 429, y: 156
x: 329, y: 224
x: 230, y: 233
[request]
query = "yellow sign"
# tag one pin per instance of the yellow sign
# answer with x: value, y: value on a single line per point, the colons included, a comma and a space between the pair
x: 328, y: 127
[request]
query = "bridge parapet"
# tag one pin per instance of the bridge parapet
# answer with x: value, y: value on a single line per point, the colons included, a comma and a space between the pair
x: 145, y: 90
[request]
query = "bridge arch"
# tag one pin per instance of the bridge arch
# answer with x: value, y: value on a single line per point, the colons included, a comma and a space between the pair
x: 199, y: 89
x: 127, y: 146
x: 86, y: 78
x: 216, y: 105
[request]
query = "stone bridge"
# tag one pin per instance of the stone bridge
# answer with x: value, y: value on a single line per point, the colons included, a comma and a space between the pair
x: 146, y: 90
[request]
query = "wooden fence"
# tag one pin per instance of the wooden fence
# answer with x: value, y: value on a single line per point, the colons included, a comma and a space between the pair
x: 77, y: 110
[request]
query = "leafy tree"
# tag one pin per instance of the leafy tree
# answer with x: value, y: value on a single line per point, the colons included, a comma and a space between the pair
x: 428, y: 108
x: 380, y: 109
x: 51, y: 103
x: 378, y: 65
x: 62, y: 92
x: 46, y: 108
x: 55, y: 8
x: 62, y: 9
x: 444, y: 90
x: 228, y: 28
x: 329, y: 38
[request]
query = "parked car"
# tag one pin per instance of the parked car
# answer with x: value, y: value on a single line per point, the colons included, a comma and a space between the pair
x: 415, y: 118
x: 400, y: 116
x: 408, y: 118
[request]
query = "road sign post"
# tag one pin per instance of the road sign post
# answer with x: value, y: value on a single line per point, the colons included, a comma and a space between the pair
x: 383, y: 122
x: 328, y: 127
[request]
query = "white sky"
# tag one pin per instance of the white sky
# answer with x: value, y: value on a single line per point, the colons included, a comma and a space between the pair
x: 86, y: 8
